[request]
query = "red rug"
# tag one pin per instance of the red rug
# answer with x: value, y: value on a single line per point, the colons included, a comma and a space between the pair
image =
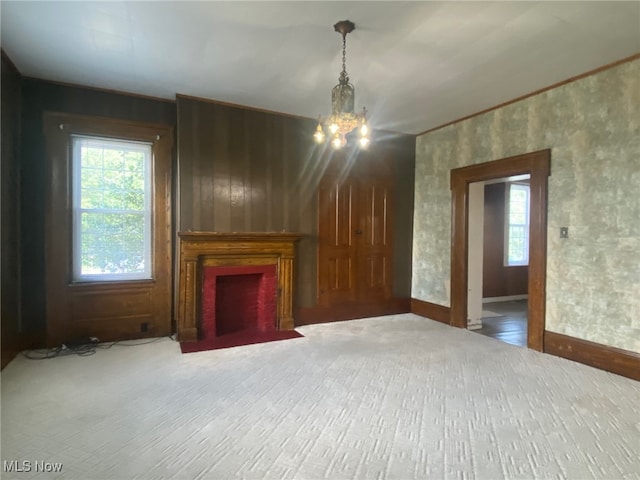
x: 245, y: 337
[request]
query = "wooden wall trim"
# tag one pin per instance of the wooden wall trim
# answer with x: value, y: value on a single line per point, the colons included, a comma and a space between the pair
x: 439, y: 313
x: 319, y: 314
x: 536, y: 92
x: 611, y: 359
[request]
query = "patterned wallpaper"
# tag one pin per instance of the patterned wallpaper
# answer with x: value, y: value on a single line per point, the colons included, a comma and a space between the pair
x: 592, y: 127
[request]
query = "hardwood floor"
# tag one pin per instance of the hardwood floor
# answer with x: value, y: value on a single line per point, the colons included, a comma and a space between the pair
x: 510, y: 326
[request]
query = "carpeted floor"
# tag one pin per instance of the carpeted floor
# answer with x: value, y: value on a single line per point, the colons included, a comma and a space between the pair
x: 396, y: 397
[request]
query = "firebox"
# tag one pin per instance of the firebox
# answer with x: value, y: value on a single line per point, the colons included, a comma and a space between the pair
x: 238, y: 299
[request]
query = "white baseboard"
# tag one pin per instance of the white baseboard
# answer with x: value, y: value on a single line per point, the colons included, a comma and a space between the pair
x: 505, y: 299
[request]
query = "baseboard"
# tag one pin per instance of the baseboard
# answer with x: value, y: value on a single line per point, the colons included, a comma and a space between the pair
x: 508, y: 298
x: 430, y: 310
x: 320, y: 314
x: 611, y: 359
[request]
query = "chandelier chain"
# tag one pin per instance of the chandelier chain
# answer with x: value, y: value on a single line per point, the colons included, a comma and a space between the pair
x: 344, y: 54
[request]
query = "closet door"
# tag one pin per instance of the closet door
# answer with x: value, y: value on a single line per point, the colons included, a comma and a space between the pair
x: 355, y: 241
x: 336, y: 238
x: 373, y: 241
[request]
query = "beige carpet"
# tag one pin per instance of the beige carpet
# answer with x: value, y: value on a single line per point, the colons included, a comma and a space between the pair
x: 395, y: 397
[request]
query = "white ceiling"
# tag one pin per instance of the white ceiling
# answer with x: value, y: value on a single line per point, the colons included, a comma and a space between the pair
x: 415, y: 65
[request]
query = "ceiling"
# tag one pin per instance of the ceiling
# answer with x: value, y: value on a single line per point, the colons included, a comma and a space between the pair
x: 415, y: 65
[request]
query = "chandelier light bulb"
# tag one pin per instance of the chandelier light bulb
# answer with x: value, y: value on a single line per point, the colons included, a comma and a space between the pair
x: 338, y: 141
x: 364, y: 142
x: 364, y: 130
x: 319, y: 135
x: 333, y: 128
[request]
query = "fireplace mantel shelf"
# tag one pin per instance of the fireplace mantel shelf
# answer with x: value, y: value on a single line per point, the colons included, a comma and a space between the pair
x: 238, y: 235
x: 199, y: 249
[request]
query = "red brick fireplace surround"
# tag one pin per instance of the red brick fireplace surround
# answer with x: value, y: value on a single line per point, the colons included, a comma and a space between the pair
x: 230, y: 282
x: 237, y: 298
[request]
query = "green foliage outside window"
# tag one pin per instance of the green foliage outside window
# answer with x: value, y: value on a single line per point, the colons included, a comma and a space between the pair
x: 112, y: 218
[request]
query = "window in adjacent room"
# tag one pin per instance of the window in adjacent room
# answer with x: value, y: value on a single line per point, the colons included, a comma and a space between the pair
x: 517, y: 225
x: 111, y: 209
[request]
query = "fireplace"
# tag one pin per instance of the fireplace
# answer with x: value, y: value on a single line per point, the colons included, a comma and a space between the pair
x: 236, y: 299
x: 230, y: 282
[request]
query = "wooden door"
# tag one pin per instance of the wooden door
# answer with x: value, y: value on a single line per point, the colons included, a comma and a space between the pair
x: 373, y: 241
x: 355, y: 241
x: 336, y: 249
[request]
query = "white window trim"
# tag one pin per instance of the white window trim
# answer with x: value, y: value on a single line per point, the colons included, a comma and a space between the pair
x: 525, y: 187
x: 77, y: 211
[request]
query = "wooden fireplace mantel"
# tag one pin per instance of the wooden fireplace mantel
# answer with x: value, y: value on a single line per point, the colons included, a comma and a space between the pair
x: 199, y: 249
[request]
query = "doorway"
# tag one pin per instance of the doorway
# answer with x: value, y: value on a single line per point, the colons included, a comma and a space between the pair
x: 537, y: 165
x: 498, y: 258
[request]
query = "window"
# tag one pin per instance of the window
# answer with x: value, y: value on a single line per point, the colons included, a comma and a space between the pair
x: 517, y: 225
x: 111, y: 209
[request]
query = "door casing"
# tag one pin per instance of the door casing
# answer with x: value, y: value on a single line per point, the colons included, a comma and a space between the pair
x: 538, y: 165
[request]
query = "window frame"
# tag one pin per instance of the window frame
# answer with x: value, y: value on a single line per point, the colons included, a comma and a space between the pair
x: 507, y: 224
x: 77, y: 210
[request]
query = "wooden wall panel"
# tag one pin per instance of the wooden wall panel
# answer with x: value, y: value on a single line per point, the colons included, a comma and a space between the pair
x: 14, y: 336
x: 275, y: 166
x: 242, y: 170
x: 498, y: 280
x: 245, y: 170
x: 39, y: 96
x: 112, y: 310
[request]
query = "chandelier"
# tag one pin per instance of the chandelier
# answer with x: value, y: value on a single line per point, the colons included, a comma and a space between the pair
x: 343, y: 119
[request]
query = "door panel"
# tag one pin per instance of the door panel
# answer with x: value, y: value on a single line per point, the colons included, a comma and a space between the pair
x: 374, y: 245
x: 336, y: 257
x: 374, y: 271
x: 355, y: 248
x: 340, y: 273
x: 373, y: 214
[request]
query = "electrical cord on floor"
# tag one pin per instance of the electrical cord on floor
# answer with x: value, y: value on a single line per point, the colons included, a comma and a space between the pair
x: 81, y: 349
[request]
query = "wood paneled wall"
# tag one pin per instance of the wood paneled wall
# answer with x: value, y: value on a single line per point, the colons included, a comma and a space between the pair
x: 243, y: 170
x: 13, y: 334
x: 498, y: 280
x: 39, y: 96
x: 240, y: 170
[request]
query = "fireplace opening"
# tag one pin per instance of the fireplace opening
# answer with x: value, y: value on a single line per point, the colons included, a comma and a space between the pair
x: 237, y: 303
x: 238, y: 299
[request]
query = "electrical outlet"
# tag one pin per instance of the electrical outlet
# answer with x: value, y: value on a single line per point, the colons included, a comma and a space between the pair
x: 564, y: 232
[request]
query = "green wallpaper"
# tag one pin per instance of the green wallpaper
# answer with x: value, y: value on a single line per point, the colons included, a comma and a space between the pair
x: 592, y: 127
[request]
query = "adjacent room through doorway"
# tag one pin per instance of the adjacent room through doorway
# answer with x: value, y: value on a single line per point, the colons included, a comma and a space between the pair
x: 498, y: 257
